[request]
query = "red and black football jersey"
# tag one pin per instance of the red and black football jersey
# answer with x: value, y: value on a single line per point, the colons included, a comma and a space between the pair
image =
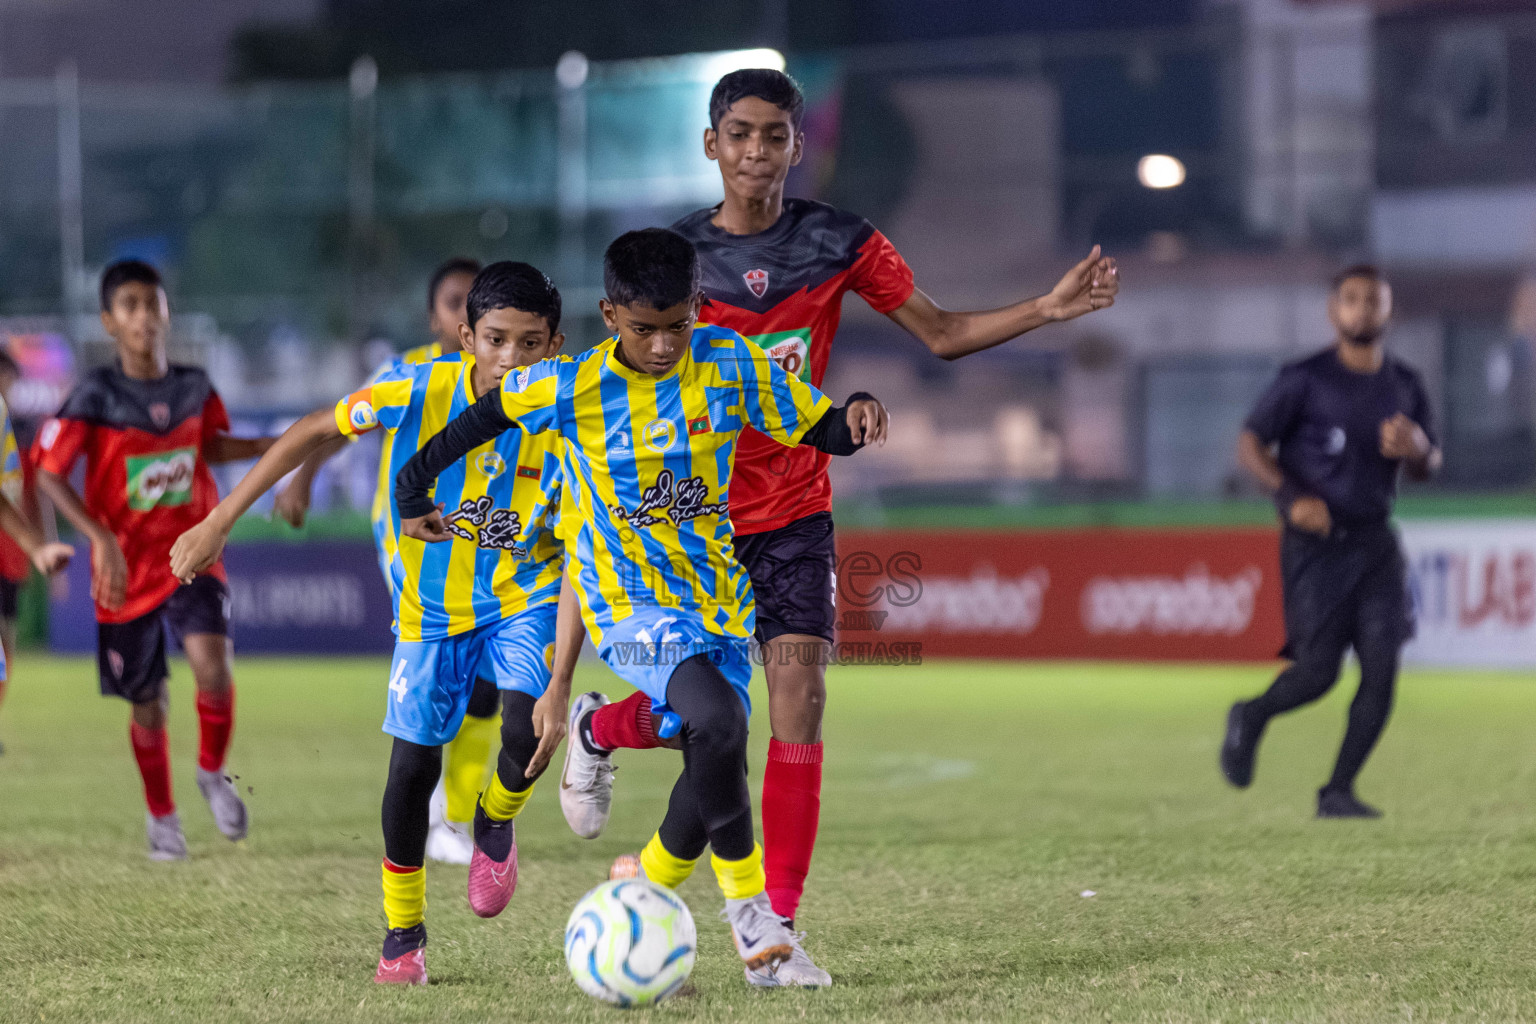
x: 146, y: 476
x: 783, y: 288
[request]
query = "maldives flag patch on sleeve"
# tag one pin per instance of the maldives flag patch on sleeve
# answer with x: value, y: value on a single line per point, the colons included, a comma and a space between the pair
x: 699, y: 426
x: 529, y: 472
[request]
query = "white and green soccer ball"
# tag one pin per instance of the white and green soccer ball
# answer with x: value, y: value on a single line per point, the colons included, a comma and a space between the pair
x: 630, y: 942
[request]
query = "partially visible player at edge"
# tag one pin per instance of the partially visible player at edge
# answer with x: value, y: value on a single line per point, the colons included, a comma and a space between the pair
x: 149, y: 429
x: 758, y: 282
x: 1330, y: 438
x: 649, y: 421
x: 466, y: 765
x: 483, y: 606
x: 16, y: 487
x: 47, y: 557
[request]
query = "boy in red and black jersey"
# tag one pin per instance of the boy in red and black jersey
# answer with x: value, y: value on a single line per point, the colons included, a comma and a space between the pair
x: 776, y: 271
x: 149, y: 431
x: 783, y: 288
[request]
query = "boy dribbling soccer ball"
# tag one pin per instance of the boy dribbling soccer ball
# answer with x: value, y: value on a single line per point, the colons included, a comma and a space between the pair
x: 481, y: 607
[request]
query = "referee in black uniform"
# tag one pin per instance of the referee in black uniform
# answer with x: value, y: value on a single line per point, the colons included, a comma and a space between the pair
x: 1329, y: 438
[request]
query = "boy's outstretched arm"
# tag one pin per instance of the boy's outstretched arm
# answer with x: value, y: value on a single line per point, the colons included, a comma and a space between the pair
x: 200, y: 546
x: 1091, y: 284
x: 481, y: 422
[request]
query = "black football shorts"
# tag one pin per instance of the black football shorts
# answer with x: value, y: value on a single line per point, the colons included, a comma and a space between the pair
x: 131, y: 656
x: 793, y: 569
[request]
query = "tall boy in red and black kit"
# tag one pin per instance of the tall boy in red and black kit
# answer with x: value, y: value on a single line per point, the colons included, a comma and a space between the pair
x: 776, y: 271
x: 149, y: 430
x: 1330, y: 438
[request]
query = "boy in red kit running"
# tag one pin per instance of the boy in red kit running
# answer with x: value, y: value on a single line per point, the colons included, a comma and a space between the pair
x: 776, y: 270
x: 149, y: 431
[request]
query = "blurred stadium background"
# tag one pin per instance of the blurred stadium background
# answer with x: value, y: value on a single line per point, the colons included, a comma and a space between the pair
x: 298, y: 167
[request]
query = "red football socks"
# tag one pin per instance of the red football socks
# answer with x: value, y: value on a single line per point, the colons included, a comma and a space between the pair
x: 625, y: 725
x: 215, y: 721
x: 153, y: 753
x: 791, y: 811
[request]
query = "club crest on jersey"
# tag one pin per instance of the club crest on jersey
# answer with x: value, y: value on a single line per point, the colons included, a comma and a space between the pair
x: 659, y: 435
x: 49, y: 434
x: 160, y: 414
x: 491, y: 464
x: 757, y: 281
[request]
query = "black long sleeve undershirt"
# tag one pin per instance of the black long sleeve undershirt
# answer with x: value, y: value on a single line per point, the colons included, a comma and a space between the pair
x: 486, y: 419
x: 831, y: 433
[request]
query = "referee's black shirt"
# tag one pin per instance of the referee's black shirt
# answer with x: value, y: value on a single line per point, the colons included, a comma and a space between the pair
x: 1327, y: 421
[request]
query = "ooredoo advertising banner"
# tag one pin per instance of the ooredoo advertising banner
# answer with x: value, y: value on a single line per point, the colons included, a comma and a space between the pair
x: 1474, y: 585
x: 1134, y: 594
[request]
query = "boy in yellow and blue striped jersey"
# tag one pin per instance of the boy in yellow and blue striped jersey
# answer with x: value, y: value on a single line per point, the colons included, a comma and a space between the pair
x: 465, y: 757
x: 649, y: 422
x: 483, y: 605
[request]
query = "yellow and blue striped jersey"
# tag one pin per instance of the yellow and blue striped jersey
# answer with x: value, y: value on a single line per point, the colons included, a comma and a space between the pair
x: 501, y: 504
x: 11, y: 481
x: 647, y: 461
x: 381, y: 497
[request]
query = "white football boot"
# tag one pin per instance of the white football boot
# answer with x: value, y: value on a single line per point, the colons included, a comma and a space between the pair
x: 762, y: 939
x: 449, y: 842
x: 165, y: 839
x: 229, y: 812
x: 586, y: 782
x: 799, y: 971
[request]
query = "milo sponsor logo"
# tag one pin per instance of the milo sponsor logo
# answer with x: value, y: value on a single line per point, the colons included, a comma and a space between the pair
x: 790, y: 349
x: 164, y: 478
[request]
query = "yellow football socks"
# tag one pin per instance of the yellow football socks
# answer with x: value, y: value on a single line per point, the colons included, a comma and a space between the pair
x: 467, y: 764
x: 500, y: 803
x: 741, y: 879
x: 405, y: 895
x: 663, y: 867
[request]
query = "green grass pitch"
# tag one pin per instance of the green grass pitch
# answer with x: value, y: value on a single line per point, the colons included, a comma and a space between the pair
x: 967, y: 809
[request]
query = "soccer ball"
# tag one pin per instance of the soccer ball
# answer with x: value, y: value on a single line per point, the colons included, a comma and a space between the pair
x: 630, y: 942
